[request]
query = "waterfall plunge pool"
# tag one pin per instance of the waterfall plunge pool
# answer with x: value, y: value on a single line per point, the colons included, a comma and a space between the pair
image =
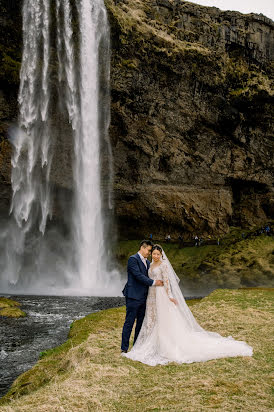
x: 45, y: 326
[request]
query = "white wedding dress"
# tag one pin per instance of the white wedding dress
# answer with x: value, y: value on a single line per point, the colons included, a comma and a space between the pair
x: 170, y: 332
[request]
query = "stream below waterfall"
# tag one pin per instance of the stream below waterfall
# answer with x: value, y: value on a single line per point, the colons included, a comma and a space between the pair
x: 45, y: 326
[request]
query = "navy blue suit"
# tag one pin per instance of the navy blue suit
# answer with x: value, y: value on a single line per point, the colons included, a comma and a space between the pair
x: 135, y: 292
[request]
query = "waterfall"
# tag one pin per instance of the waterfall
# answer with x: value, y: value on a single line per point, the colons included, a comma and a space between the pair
x: 31, y: 159
x: 83, y: 84
x: 88, y: 213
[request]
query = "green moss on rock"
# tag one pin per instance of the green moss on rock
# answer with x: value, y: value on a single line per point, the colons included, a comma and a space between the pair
x: 9, y: 308
x: 12, y: 312
x: 8, y: 303
x: 10, y: 69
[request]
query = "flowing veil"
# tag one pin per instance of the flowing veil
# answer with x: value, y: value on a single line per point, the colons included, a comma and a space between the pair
x: 182, y: 305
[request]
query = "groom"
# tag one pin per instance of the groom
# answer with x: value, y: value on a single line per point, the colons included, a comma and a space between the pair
x: 136, y: 290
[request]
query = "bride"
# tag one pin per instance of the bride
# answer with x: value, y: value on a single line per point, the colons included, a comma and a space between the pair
x: 170, y: 332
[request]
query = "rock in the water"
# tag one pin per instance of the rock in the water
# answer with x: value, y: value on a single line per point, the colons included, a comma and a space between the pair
x: 9, y: 308
x: 12, y: 312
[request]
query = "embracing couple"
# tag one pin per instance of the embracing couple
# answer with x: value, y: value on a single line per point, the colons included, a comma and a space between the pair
x: 166, y: 331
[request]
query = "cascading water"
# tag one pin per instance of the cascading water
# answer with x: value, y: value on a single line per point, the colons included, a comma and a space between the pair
x: 88, y: 214
x: 79, y: 75
x: 31, y: 160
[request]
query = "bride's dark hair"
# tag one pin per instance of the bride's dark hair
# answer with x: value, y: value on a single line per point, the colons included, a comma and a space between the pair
x: 157, y: 247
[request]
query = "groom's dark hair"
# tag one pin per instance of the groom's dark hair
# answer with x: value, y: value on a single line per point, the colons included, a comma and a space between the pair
x: 145, y: 243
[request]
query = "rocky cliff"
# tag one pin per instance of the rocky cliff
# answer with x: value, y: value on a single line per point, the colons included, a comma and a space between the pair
x: 191, y: 115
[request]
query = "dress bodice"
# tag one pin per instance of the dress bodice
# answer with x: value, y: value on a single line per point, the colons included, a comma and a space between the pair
x: 161, y: 273
x: 155, y: 272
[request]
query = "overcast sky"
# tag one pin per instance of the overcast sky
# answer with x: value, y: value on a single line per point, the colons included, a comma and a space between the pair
x: 244, y: 6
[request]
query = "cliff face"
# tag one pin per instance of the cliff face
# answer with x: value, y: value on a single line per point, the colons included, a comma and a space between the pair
x: 10, y: 57
x: 191, y: 115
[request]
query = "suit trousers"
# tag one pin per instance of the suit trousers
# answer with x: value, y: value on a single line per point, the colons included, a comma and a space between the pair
x: 135, y: 309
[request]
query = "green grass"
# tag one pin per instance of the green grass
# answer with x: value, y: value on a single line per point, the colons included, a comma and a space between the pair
x: 87, y: 373
x: 235, y: 263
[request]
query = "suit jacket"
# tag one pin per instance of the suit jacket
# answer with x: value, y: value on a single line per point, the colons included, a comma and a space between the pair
x: 138, y: 280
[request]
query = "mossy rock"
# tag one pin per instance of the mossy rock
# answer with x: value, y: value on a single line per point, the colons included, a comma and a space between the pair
x: 12, y: 312
x: 9, y: 308
x: 7, y: 303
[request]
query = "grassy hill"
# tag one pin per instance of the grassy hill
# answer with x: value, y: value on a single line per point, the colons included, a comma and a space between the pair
x: 236, y: 262
x: 87, y: 373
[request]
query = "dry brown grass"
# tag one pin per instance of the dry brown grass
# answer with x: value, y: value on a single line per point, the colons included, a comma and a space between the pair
x: 94, y: 377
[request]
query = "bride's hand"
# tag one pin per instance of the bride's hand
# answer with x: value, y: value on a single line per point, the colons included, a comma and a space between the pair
x: 174, y: 301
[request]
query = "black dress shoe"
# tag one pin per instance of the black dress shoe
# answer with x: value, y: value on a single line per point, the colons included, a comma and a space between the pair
x: 123, y: 351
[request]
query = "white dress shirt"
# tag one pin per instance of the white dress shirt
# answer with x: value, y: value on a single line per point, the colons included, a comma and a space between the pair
x: 145, y: 263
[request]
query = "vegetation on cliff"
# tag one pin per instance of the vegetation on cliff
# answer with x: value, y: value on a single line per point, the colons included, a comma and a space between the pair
x: 10, y: 46
x: 88, y: 373
x: 237, y: 262
x: 192, y: 88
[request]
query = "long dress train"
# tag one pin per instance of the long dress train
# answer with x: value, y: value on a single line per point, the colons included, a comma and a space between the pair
x: 171, y: 334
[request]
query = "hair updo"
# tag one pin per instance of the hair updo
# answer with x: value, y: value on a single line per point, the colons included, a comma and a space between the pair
x: 157, y: 247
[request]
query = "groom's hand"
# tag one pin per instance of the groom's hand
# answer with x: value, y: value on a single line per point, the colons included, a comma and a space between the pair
x: 159, y: 283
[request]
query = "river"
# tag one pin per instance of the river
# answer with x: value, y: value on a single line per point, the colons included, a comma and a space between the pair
x: 45, y: 326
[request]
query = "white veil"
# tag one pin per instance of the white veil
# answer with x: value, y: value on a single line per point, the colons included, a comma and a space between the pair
x: 177, y: 294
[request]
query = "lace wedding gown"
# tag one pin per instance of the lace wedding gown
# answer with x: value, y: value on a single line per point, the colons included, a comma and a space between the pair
x: 170, y: 333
